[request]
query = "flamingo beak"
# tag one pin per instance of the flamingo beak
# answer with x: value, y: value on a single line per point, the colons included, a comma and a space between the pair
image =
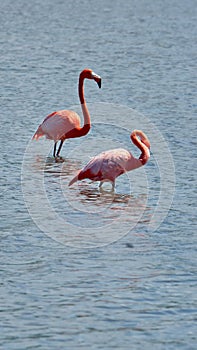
x: 97, y: 79
x: 99, y: 83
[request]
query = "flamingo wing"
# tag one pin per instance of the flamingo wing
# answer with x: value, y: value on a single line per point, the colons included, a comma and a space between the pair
x: 57, y: 124
x: 92, y: 170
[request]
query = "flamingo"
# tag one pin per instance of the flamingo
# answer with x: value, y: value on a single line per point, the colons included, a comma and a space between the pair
x: 65, y: 124
x: 108, y: 165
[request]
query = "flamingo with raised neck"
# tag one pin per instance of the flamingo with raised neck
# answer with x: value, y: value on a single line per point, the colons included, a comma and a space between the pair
x: 65, y: 124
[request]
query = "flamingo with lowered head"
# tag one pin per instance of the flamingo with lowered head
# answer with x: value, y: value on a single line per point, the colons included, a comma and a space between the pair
x: 65, y: 124
x: 108, y: 165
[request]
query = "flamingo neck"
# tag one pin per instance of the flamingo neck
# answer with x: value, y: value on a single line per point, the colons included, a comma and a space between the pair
x: 81, y: 88
x: 143, y: 144
x: 86, y: 126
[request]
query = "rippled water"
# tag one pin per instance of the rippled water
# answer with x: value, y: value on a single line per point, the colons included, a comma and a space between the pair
x: 82, y: 268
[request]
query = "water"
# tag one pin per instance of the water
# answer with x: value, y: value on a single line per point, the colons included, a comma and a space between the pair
x: 80, y: 268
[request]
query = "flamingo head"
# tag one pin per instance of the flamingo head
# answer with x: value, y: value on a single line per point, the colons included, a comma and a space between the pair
x: 146, y: 142
x: 89, y: 74
x: 144, y: 139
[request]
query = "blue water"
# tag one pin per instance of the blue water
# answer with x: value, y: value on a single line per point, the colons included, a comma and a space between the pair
x: 81, y: 269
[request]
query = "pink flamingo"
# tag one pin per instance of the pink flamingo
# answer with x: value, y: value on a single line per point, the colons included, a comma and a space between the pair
x: 65, y: 124
x: 107, y: 166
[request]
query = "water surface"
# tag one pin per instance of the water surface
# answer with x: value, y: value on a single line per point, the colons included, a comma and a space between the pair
x: 129, y: 282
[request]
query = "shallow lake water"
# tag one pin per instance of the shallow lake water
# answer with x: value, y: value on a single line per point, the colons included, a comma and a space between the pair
x: 80, y: 267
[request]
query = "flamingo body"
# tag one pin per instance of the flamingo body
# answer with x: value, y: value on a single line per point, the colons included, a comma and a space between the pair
x: 64, y: 124
x: 108, y: 165
x: 57, y: 125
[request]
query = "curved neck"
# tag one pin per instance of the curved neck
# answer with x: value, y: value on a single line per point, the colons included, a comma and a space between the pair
x: 86, y: 125
x: 143, y: 144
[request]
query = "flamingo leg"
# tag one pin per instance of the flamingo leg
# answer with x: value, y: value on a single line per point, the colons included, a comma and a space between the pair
x: 101, y: 184
x: 54, y: 150
x: 112, y: 184
x: 59, y: 149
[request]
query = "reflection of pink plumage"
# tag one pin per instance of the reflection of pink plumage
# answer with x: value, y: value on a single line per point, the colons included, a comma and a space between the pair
x: 65, y: 124
x: 107, y: 166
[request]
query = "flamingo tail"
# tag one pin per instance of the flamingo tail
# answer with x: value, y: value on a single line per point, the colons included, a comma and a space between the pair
x: 75, y: 179
x: 39, y: 133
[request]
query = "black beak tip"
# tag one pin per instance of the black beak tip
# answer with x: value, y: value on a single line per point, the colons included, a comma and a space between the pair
x: 99, y: 84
